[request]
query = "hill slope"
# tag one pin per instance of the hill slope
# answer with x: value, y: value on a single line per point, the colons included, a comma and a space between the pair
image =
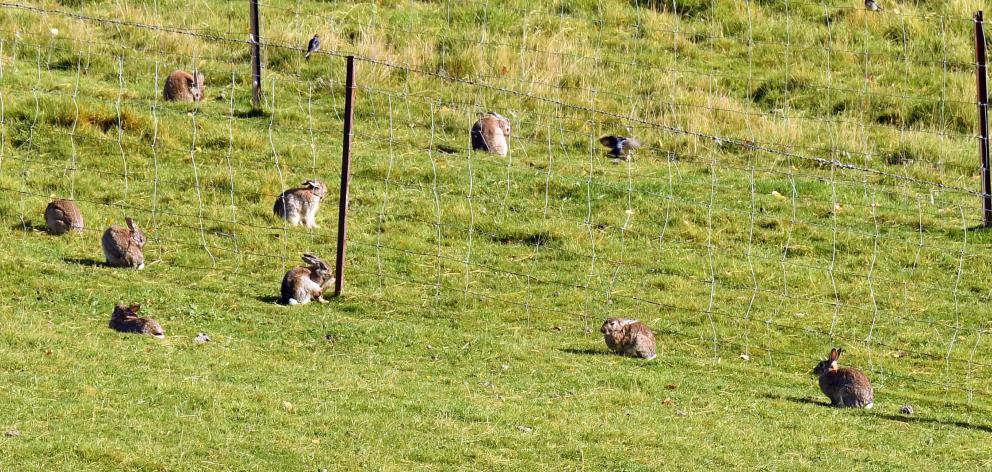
x: 808, y: 180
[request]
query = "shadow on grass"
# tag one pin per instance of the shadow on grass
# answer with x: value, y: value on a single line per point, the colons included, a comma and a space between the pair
x: 802, y: 400
x: 588, y: 352
x: 84, y: 261
x: 900, y: 418
x: 268, y: 299
x: 919, y: 419
x: 27, y: 226
x: 251, y: 114
x: 445, y: 149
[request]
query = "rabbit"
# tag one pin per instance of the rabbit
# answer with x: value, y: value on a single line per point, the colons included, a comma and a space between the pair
x: 63, y: 216
x: 629, y: 337
x: 126, y: 320
x: 301, y: 284
x: 620, y: 146
x: 181, y: 86
x: 846, y: 387
x: 300, y: 204
x: 490, y: 134
x: 123, y: 246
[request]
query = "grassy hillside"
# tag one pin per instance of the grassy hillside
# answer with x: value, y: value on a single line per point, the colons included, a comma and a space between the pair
x: 808, y: 180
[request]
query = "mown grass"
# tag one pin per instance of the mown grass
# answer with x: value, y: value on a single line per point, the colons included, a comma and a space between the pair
x: 466, y: 338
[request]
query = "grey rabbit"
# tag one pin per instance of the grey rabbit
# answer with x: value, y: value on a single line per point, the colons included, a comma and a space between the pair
x: 300, y: 205
x: 620, y: 146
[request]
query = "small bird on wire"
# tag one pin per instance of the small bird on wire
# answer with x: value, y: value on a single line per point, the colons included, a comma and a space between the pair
x: 313, y: 47
x: 620, y: 146
x: 872, y: 5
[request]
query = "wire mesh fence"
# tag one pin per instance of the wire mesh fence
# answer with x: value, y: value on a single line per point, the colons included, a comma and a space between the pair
x: 789, y: 196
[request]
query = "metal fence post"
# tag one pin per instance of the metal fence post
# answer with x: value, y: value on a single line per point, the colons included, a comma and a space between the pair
x: 349, y: 99
x: 983, y: 117
x: 256, y: 59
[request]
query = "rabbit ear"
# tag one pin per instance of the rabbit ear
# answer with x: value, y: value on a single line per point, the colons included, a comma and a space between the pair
x: 834, y: 354
x: 134, y: 309
x: 198, y: 77
x: 131, y: 224
x: 311, y: 259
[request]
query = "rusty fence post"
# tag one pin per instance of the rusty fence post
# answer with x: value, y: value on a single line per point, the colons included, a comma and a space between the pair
x: 983, y: 117
x: 256, y: 58
x: 349, y: 112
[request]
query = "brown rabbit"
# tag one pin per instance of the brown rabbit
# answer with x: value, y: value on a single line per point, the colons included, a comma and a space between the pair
x: 490, y: 134
x: 123, y: 246
x: 629, y: 337
x: 126, y: 320
x: 63, y: 216
x: 181, y: 86
x: 300, y: 205
x: 846, y: 387
x: 301, y: 284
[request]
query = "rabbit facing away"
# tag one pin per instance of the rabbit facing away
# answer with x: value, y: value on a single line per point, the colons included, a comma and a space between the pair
x: 299, y: 205
x: 846, y: 387
x: 302, y: 284
x: 123, y: 246
x: 62, y: 216
x: 126, y: 320
x: 181, y: 86
x: 490, y: 134
x: 629, y: 337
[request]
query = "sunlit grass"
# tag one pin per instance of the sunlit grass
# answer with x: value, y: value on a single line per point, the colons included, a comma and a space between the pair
x: 468, y: 333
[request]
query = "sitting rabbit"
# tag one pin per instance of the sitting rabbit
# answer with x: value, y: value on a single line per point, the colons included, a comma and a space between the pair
x: 123, y: 246
x: 490, y: 134
x: 628, y: 337
x: 181, y: 86
x: 301, y: 284
x: 299, y: 205
x: 846, y: 387
x: 63, y: 216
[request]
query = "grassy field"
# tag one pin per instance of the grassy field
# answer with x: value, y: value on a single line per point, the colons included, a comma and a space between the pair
x: 808, y: 181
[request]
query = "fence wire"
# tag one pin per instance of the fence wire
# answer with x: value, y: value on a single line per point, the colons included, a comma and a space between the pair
x: 751, y: 225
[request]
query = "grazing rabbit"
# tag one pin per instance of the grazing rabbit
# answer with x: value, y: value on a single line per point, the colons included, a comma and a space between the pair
x: 846, y: 387
x: 122, y: 246
x: 301, y: 284
x: 61, y: 216
x: 620, y: 146
x: 126, y: 320
x: 490, y: 134
x: 300, y: 204
x: 181, y: 86
x: 629, y: 337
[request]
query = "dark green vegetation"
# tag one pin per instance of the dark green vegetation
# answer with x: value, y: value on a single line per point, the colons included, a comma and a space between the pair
x: 467, y: 337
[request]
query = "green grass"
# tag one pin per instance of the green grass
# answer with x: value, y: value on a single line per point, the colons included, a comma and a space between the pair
x: 467, y: 336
